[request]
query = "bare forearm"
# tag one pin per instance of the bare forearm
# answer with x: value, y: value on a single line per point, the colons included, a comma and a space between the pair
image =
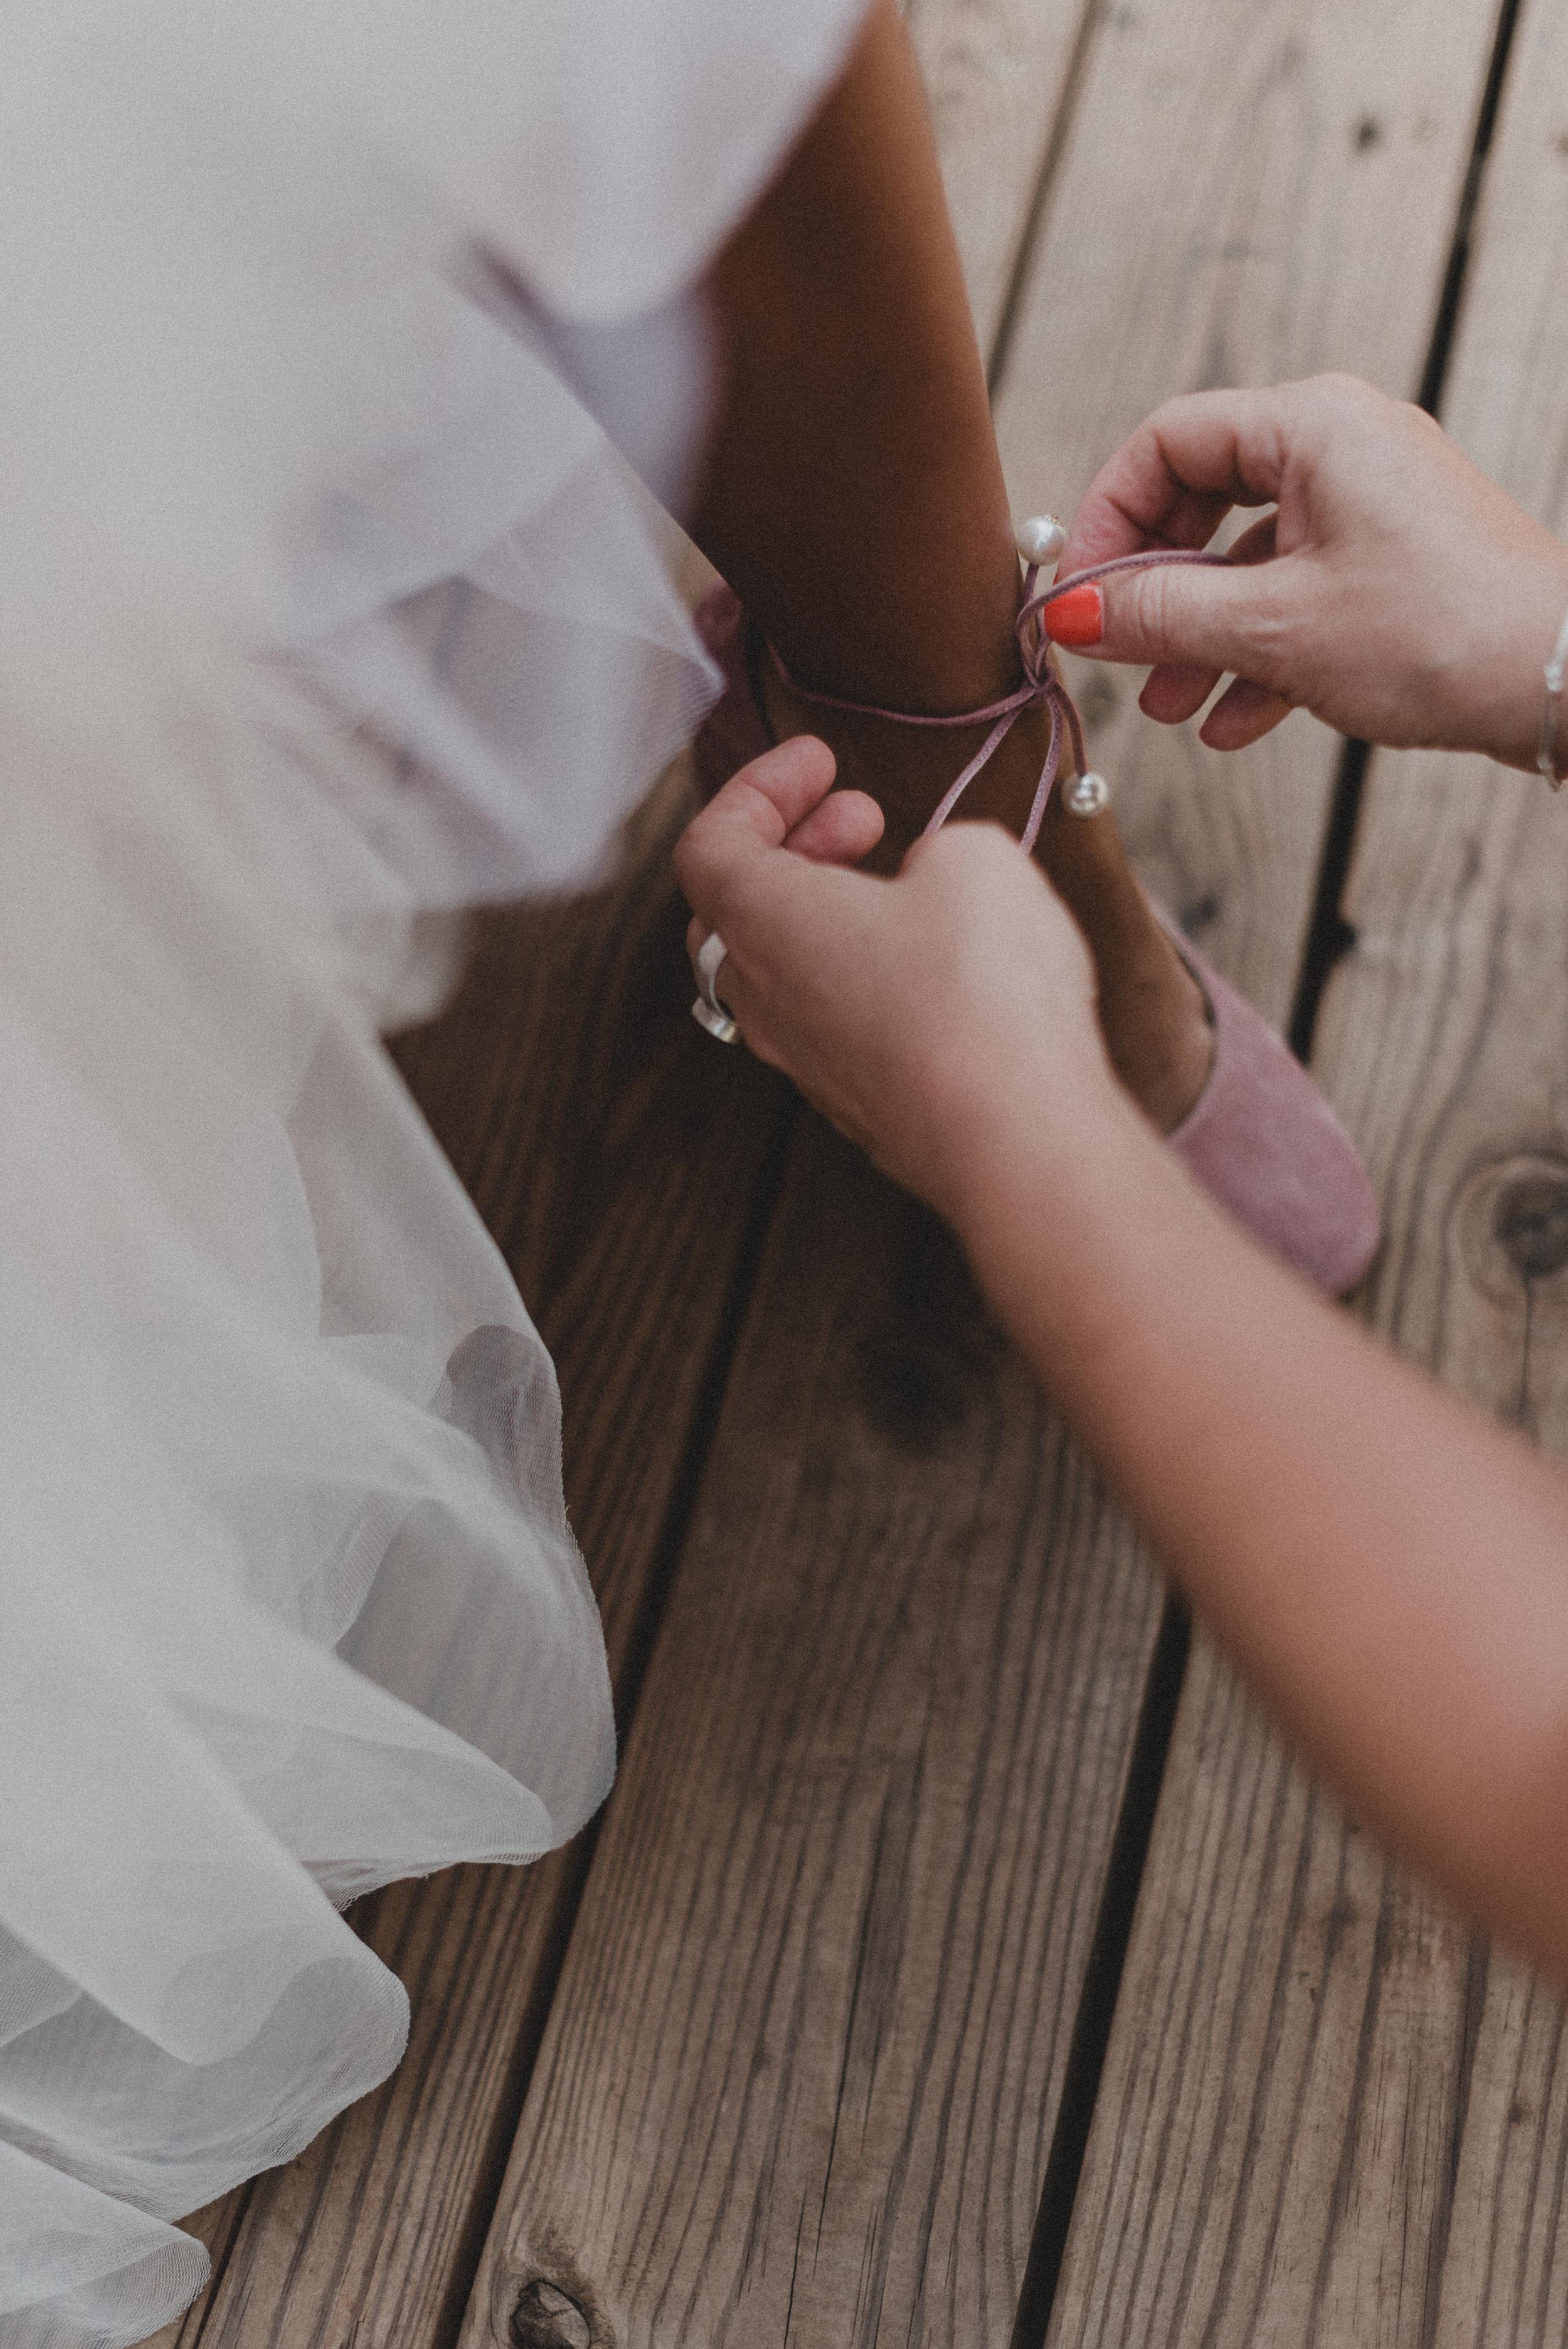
x: 1387, y: 1567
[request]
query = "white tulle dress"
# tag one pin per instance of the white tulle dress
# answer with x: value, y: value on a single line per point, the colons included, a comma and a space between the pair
x: 324, y: 611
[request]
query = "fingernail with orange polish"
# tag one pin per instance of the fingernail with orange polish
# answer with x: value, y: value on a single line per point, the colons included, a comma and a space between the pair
x: 1076, y: 618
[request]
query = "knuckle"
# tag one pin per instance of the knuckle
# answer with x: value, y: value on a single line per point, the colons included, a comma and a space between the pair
x: 1348, y: 403
x: 689, y: 855
x: 713, y: 879
x: 1177, y: 408
x: 1347, y: 391
x: 1154, y: 616
x: 1271, y: 655
x: 1269, y: 621
x: 732, y: 900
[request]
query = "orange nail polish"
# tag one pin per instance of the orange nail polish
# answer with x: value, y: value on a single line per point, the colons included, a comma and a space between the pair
x: 1076, y: 618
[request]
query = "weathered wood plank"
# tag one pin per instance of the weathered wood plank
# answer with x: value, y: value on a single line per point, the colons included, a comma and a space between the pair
x: 710, y: 2151
x: 1328, y: 2114
x: 798, y: 2078
x: 618, y: 1160
x: 1251, y: 189
x: 215, y: 2227
x: 1505, y: 2269
x: 997, y: 74
x: 1277, y: 2108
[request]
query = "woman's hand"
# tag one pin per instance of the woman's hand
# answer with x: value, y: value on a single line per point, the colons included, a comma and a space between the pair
x: 1383, y: 1561
x: 925, y: 1014
x: 1395, y: 590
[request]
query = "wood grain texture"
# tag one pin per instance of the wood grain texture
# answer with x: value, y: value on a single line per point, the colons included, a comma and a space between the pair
x: 800, y: 2074
x: 1250, y: 191
x: 1328, y: 2116
x: 215, y: 2227
x: 618, y: 1158
x: 1276, y: 2122
x: 708, y: 2153
x: 997, y: 74
x: 800, y: 2077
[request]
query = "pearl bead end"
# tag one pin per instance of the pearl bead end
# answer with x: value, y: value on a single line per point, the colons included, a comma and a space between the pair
x: 1086, y: 795
x: 1040, y: 540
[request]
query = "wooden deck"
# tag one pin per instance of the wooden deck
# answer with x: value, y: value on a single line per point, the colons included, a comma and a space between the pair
x: 958, y: 1962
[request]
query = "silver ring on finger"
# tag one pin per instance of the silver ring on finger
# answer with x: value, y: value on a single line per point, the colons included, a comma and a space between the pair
x: 708, y: 1010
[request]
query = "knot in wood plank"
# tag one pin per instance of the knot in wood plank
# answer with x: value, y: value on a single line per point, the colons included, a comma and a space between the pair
x: 933, y: 1352
x: 545, y: 2317
x: 1530, y: 1222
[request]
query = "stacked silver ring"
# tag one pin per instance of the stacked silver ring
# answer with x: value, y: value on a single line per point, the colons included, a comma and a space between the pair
x: 708, y: 1010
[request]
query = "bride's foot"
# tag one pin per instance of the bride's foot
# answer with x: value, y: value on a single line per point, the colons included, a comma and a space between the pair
x: 1152, y: 1013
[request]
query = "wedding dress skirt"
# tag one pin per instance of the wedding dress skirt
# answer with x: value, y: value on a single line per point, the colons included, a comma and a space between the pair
x: 325, y: 611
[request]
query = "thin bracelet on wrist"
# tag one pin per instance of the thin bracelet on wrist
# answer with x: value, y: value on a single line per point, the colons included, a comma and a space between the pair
x: 1552, y: 710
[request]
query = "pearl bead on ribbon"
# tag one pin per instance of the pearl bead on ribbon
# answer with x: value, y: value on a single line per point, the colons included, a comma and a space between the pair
x: 1039, y: 540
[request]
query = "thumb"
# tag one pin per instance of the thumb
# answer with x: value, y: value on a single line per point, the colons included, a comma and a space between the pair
x: 1199, y: 616
x: 745, y: 826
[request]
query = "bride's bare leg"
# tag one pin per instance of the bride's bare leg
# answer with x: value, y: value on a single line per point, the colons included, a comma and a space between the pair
x: 854, y: 500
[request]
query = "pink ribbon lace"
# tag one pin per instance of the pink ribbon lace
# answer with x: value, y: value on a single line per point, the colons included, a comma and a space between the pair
x: 1041, y: 684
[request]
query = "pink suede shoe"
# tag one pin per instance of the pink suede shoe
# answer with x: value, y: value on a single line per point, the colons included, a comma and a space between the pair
x: 1261, y: 1140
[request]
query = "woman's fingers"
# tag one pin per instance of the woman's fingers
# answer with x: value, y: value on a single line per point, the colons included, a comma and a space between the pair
x: 842, y: 829
x: 1175, y: 692
x: 790, y: 780
x: 1172, y: 693
x: 1171, y: 485
x: 750, y: 820
x: 1259, y: 543
x: 1175, y: 480
x: 1197, y: 617
x: 741, y: 863
x: 1242, y: 715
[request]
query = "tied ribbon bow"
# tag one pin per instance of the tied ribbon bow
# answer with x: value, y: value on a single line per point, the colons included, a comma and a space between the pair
x: 1041, y: 686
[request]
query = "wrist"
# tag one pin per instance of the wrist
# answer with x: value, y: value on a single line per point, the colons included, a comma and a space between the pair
x: 1510, y: 687
x: 1026, y: 1165
x: 1551, y: 748
x: 1110, y: 1269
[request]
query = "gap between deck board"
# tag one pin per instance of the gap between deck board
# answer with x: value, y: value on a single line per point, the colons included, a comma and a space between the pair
x: 1327, y: 2115
x: 1323, y: 941
x: 1329, y: 937
x: 528, y: 2233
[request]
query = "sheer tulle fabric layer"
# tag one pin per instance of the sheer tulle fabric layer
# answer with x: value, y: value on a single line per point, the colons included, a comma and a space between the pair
x: 325, y: 611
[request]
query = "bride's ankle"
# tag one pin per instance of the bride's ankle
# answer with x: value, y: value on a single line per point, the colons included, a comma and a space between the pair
x: 909, y: 769
x: 1159, y: 1034
x: 1152, y: 1013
